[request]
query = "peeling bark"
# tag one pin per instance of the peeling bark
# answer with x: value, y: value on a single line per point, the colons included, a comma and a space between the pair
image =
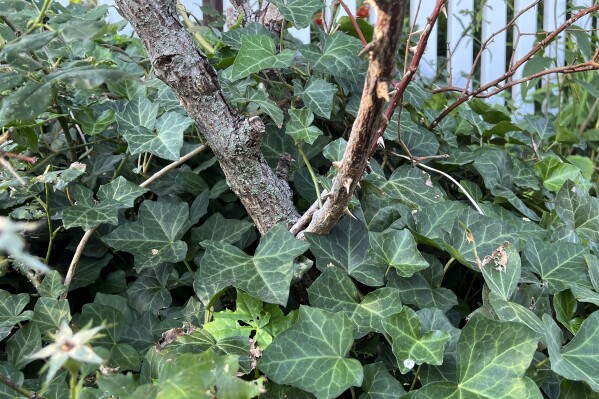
x: 383, y: 52
x: 234, y: 138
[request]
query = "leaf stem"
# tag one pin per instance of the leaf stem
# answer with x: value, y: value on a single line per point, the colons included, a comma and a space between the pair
x: 192, y: 29
x: 541, y: 363
x: 415, y: 380
x: 311, y: 171
x: 78, y: 252
x: 445, y: 269
x: 15, y: 387
x: 40, y: 16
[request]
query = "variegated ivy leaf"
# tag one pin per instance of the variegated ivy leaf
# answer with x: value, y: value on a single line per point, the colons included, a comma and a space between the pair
x: 299, y: 127
x: 338, y: 56
x: 232, y: 38
x: 87, y: 213
x: 417, y: 291
x: 11, y: 311
x: 311, y: 354
x: 156, y: 236
x: 333, y: 290
x: 165, y: 142
x: 95, y: 124
x: 318, y: 95
x: 266, y: 275
x: 299, y: 12
x: 411, y: 346
x: 379, y: 383
x: 139, y: 112
x: 578, y: 210
x: 258, y: 52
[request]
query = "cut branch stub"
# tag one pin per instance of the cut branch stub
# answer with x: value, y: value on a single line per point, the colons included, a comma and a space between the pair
x: 234, y: 138
x: 383, y: 52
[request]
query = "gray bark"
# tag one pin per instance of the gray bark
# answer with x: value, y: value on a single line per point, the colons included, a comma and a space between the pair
x: 234, y: 138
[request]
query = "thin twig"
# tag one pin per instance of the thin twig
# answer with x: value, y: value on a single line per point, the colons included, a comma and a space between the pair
x: 9, y: 167
x: 454, y: 181
x: 354, y: 22
x: 173, y: 165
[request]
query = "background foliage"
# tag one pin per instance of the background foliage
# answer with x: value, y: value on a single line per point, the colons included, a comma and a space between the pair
x: 422, y: 293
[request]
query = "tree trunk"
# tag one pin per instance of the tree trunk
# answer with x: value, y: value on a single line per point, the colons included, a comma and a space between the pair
x: 234, y: 138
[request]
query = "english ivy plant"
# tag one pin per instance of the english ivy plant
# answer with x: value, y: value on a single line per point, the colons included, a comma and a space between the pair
x: 474, y: 275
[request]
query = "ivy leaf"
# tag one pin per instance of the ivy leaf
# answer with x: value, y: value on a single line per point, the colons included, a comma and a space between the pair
x: 397, y: 249
x: 543, y: 126
x: 23, y: 344
x: 417, y: 291
x: 579, y: 359
x: 156, y: 236
x: 121, y: 190
x: 26, y: 103
x: 346, y: 247
x: 217, y: 228
x: 492, y: 358
x: 51, y: 286
x: 266, y: 275
x: 510, y: 311
x: 269, y: 106
x: 148, y: 293
x: 317, y: 94
x: 495, y: 166
x: 299, y: 12
x: 554, y: 172
x: 557, y: 263
x: 379, y: 384
x: 501, y: 270
x: 139, y: 112
x: 311, y: 355
x: 578, y: 210
x: 166, y: 142
x: 258, y: 52
x: 431, y: 222
x: 299, y: 127
x: 333, y: 290
x: 232, y: 38
x: 92, y: 124
x: 409, y: 345
x: 88, y: 213
x: 49, y: 313
x: 11, y: 311
x: 338, y: 57
x: 410, y: 186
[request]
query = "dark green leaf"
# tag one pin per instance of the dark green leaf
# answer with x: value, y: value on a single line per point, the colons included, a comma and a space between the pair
x: 379, y: 384
x: 258, y: 52
x: 338, y: 56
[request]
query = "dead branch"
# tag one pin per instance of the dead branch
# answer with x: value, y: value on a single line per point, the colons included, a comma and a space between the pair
x: 383, y: 53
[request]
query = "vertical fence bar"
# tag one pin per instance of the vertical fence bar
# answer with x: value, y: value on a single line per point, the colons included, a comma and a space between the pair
x: 493, y: 59
x: 420, y: 10
x: 460, y: 16
x: 554, y: 14
x: 524, y: 38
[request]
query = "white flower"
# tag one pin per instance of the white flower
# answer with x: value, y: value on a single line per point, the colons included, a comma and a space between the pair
x: 69, y: 346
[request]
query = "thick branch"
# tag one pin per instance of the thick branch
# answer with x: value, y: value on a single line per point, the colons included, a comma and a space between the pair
x: 383, y: 54
x: 267, y: 15
x: 234, y: 138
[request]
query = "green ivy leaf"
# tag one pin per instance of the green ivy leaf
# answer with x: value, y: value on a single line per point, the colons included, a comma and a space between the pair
x: 49, y: 313
x: 431, y: 221
x: 51, y: 286
x: 579, y: 359
x: 417, y: 291
x: 579, y: 211
x: 156, y: 236
x: 139, y: 112
x: 501, y: 270
x: 149, y: 293
x: 495, y: 166
x: 88, y: 213
x: 299, y: 127
x: 166, y: 142
x: 311, y: 355
x: 269, y: 106
x: 27, y: 103
x: 232, y: 38
x: 333, y: 290
x: 217, y: 228
x: 266, y: 275
x: 318, y: 95
x: 299, y: 12
x: 410, y: 346
x: 397, y: 249
x: 410, y: 186
x: 346, y: 247
x: 338, y: 57
x: 510, y: 311
x: 92, y: 124
x: 557, y: 263
x: 121, y: 190
x: 11, y: 311
x: 491, y: 361
x: 554, y: 173
x: 543, y: 126
x: 23, y: 344
x: 379, y: 384
x: 258, y: 52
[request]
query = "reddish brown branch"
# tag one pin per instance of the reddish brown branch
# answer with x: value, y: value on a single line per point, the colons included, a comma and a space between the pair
x: 383, y: 53
x: 354, y: 22
x: 465, y: 97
